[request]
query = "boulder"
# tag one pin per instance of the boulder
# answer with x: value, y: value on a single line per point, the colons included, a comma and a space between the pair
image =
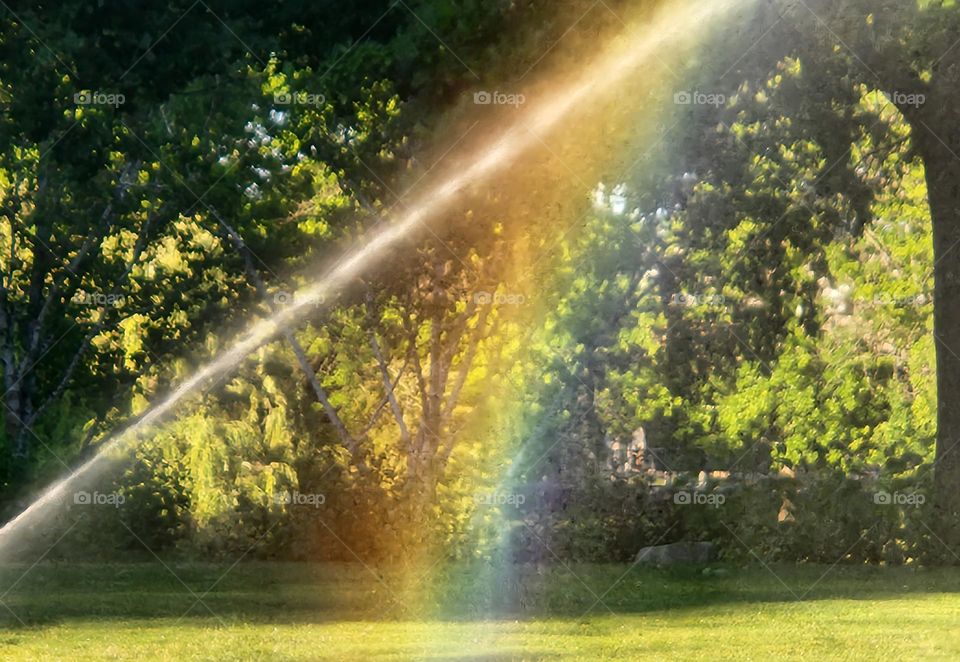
x: 678, y: 553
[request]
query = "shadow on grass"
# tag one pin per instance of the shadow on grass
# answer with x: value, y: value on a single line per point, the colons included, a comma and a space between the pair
x: 257, y: 592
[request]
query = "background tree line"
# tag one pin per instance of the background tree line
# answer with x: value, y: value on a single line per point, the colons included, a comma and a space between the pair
x: 768, y: 288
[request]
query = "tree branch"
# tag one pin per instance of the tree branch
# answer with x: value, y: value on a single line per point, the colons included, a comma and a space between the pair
x: 385, y: 377
x: 139, y: 246
x: 348, y: 441
x: 463, y: 370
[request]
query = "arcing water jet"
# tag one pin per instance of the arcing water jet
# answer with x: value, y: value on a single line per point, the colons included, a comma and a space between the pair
x: 675, y: 25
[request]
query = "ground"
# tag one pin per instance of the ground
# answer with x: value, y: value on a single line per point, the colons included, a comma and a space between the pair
x: 265, y: 611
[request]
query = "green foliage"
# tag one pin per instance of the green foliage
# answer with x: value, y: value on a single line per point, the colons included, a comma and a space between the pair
x: 766, y: 306
x: 752, y: 318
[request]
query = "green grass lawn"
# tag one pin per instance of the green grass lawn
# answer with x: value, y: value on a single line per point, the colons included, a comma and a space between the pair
x: 263, y: 611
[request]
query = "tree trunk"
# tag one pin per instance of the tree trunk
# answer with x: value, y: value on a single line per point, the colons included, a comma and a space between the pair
x: 939, y: 144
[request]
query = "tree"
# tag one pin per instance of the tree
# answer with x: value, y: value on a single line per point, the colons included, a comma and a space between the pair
x: 119, y: 146
x: 907, y: 51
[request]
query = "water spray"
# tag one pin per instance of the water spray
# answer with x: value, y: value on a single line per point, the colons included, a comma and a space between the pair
x: 675, y: 25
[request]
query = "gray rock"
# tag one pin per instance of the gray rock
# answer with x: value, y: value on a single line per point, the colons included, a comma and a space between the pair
x: 678, y: 553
